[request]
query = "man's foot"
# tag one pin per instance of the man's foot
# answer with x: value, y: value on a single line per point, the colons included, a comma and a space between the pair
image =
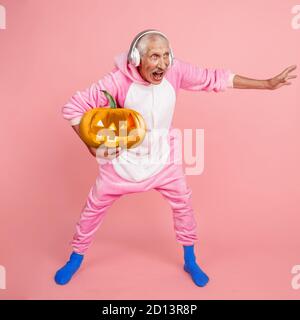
x: 198, y: 276
x: 190, y: 266
x: 64, y: 274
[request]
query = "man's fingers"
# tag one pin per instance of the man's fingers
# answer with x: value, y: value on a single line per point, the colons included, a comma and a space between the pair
x: 286, y: 71
x: 290, y: 68
x: 284, y: 84
x: 118, y: 151
x: 291, y: 77
x: 293, y: 67
x: 105, y: 153
x: 111, y: 152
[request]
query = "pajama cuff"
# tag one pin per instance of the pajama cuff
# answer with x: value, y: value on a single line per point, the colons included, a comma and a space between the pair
x: 230, y: 80
x: 75, y: 121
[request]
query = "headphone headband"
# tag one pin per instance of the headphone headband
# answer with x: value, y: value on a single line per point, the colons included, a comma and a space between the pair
x: 133, y: 54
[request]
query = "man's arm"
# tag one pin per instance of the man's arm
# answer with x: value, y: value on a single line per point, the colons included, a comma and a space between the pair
x: 276, y: 82
x: 194, y: 78
x: 92, y: 97
x: 91, y: 149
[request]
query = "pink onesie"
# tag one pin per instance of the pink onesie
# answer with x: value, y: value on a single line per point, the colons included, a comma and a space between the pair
x: 153, y: 164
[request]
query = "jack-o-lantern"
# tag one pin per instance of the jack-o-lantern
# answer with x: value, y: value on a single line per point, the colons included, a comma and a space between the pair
x: 112, y: 126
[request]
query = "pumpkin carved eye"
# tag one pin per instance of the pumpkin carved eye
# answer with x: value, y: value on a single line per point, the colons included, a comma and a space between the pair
x: 112, y: 126
x: 100, y: 123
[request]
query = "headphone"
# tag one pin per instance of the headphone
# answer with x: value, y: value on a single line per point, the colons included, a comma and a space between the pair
x: 134, y: 57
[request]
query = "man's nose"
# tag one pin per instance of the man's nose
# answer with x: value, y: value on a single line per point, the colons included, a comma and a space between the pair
x: 162, y: 64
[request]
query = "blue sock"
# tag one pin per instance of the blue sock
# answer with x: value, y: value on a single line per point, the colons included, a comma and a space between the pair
x: 64, y: 274
x: 190, y: 266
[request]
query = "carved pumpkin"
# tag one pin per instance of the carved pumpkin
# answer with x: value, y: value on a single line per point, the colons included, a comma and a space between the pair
x: 112, y: 126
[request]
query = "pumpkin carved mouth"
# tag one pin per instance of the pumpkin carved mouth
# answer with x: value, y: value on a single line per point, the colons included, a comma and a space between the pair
x: 112, y: 126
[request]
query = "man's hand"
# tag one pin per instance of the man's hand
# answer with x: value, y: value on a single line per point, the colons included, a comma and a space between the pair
x: 282, y: 78
x: 107, y: 153
x: 104, y: 152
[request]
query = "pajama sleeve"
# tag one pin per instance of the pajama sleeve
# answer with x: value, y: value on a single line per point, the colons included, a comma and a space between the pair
x: 196, y: 78
x: 90, y: 98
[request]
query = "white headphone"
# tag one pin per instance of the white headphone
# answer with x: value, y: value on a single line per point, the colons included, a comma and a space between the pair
x: 134, y: 55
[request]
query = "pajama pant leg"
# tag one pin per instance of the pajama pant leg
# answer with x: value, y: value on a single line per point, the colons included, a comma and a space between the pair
x: 178, y: 194
x: 171, y: 183
x: 99, y: 200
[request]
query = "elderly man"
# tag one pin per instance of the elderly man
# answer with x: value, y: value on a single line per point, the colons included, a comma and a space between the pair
x: 147, y: 79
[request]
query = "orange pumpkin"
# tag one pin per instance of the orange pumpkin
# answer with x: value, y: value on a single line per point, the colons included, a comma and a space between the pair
x: 112, y: 126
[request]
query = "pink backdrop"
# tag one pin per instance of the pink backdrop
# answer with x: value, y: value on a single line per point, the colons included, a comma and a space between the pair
x: 246, y: 201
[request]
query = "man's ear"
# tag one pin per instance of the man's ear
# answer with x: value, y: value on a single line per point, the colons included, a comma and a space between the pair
x: 140, y: 66
x: 141, y: 62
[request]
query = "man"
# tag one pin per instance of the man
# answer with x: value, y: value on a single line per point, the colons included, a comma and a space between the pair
x: 147, y: 80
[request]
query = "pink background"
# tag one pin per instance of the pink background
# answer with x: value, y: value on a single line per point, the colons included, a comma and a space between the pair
x: 246, y: 201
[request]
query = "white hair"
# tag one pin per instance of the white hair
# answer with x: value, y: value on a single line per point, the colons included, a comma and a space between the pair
x: 142, y: 44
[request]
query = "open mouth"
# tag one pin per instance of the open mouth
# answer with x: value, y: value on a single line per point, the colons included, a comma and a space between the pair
x: 157, y: 75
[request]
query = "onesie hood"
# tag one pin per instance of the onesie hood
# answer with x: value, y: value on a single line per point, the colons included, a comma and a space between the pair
x: 128, y: 69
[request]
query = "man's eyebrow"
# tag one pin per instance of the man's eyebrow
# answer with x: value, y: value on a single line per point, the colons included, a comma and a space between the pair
x: 152, y: 53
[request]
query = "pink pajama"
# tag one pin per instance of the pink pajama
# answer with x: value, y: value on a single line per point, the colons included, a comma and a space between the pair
x: 156, y: 104
x: 109, y: 187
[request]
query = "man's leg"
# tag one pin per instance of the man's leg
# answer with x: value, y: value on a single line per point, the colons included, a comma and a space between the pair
x: 178, y: 194
x: 98, y: 202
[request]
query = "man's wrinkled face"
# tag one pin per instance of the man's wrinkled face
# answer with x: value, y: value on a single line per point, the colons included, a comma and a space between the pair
x: 155, y: 61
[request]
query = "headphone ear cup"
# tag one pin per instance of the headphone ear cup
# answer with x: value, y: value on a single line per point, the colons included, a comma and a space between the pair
x: 136, y: 59
x: 171, y: 58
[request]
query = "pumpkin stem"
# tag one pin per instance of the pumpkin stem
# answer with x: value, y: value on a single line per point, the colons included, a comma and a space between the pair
x: 112, y: 102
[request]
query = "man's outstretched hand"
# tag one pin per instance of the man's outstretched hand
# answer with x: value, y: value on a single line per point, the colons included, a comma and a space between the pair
x: 282, y: 78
